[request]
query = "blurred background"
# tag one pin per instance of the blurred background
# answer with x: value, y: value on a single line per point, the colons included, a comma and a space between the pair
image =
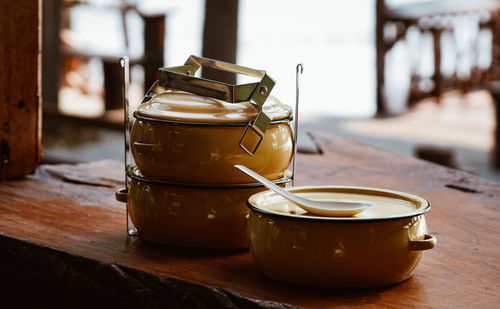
x: 418, y: 77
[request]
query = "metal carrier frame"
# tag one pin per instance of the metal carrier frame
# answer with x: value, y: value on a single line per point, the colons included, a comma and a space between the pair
x: 182, y: 78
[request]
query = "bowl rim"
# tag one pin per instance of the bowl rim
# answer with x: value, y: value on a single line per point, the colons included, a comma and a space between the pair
x: 133, y: 171
x: 204, y: 124
x: 426, y: 205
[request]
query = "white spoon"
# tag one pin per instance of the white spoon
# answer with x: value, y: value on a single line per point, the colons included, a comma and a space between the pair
x: 323, y: 208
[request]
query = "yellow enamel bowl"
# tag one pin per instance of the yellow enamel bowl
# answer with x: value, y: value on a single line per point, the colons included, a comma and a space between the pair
x: 195, y: 217
x: 181, y: 137
x: 378, y: 247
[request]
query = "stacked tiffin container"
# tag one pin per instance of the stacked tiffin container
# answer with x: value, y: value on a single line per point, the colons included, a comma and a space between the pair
x: 188, y: 134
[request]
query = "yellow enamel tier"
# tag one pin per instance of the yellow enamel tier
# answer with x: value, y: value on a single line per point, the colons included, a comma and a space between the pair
x: 207, y: 218
x: 196, y: 152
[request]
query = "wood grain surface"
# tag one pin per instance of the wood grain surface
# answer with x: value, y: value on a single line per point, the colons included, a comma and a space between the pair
x: 62, y: 227
x: 20, y: 86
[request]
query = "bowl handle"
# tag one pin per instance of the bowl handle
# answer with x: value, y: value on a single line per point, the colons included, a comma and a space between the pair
x: 427, y: 243
x: 121, y: 195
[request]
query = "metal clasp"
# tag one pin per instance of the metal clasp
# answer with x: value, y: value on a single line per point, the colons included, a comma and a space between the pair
x: 258, y: 126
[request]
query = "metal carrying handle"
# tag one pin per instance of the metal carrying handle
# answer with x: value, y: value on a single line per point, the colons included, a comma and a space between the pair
x: 299, y: 69
x: 182, y: 78
x: 124, y: 63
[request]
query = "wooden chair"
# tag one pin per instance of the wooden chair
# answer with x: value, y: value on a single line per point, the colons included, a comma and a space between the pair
x: 151, y: 60
x: 433, y: 17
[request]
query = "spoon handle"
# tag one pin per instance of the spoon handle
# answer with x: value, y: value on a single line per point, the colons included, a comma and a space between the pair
x: 271, y: 186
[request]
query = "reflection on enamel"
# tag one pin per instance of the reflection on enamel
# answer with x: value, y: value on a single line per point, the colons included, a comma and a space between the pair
x: 422, y: 227
x: 149, y: 195
x: 215, y: 156
x: 175, y: 205
x: 274, y: 233
x: 211, y: 215
x: 339, y: 252
x: 299, y: 240
x: 416, y: 228
x: 176, y: 141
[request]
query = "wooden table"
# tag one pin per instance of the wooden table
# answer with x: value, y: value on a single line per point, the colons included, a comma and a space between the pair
x: 63, y: 241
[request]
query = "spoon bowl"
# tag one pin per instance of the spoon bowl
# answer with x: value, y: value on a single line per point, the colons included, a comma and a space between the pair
x: 322, y: 208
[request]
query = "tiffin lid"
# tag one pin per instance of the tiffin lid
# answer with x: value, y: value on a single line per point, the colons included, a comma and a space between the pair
x: 179, y: 106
